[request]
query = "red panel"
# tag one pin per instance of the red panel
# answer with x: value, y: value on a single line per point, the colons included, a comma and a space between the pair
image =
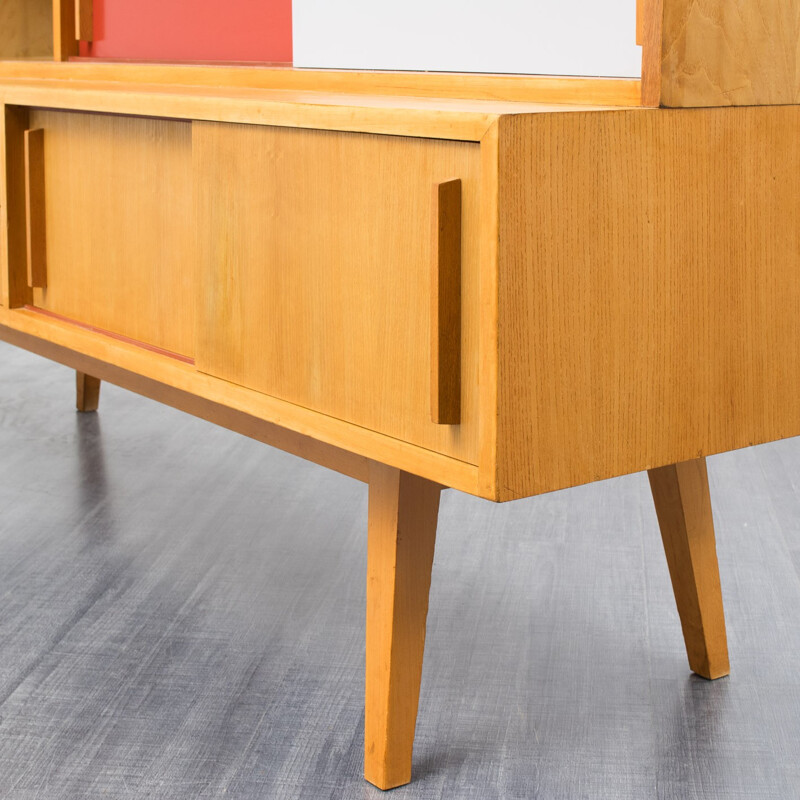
x: 192, y: 30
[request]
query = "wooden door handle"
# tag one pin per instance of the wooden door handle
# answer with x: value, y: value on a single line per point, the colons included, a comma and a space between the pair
x: 446, y: 304
x: 84, y: 20
x: 34, y: 208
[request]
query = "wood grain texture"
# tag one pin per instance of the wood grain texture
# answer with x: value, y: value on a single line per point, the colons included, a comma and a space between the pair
x: 488, y: 345
x: 4, y: 196
x: 13, y: 233
x: 65, y: 40
x: 26, y: 29
x: 650, y: 22
x: 84, y: 20
x: 87, y: 392
x: 401, y: 115
x: 191, y: 401
x: 311, y: 435
x: 730, y: 52
x: 403, y: 514
x: 446, y: 303
x: 35, y: 214
x: 649, y: 287
x: 119, y: 214
x: 495, y: 88
x: 640, y: 21
x: 683, y: 506
x: 314, y: 256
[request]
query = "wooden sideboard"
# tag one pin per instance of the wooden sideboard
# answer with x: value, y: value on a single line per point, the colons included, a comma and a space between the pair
x: 505, y: 286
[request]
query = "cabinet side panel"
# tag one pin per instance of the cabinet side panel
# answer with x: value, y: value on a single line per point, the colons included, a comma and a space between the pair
x: 649, y: 290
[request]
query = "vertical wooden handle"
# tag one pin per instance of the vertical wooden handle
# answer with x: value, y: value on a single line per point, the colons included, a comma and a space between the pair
x: 84, y: 20
x: 446, y: 304
x: 34, y: 208
x: 65, y: 38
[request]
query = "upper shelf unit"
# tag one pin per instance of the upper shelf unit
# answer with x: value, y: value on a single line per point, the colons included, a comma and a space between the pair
x: 693, y: 52
x: 563, y: 37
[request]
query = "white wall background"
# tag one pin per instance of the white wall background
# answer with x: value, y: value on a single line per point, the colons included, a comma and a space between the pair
x: 548, y: 37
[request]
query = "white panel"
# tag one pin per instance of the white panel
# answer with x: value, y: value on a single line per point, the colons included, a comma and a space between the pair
x: 546, y: 37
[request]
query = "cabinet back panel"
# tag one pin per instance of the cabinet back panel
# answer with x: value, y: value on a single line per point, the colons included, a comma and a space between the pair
x: 26, y: 28
x: 200, y: 30
x: 546, y: 37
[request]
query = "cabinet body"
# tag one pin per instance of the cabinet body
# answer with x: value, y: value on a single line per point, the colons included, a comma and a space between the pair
x: 628, y: 287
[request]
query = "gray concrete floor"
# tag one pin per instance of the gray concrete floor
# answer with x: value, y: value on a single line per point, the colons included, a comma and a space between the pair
x: 181, y: 616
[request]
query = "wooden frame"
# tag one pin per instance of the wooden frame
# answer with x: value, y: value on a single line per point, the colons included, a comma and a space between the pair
x: 693, y: 54
x: 481, y: 87
x: 170, y: 393
x: 69, y: 14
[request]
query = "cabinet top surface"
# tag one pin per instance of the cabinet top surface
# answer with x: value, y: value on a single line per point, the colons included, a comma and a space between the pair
x: 369, y: 102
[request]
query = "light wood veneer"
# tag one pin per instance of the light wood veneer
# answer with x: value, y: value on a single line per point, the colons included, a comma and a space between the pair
x: 683, y: 506
x: 120, y: 235
x: 584, y: 315
x: 301, y: 300
x: 649, y: 288
x: 702, y: 53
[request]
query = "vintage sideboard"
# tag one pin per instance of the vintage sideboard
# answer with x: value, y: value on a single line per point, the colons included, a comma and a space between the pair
x: 502, y: 285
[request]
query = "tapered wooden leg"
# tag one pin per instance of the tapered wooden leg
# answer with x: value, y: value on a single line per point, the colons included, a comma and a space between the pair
x: 683, y: 506
x: 403, y: 512
x: 88, y: 392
